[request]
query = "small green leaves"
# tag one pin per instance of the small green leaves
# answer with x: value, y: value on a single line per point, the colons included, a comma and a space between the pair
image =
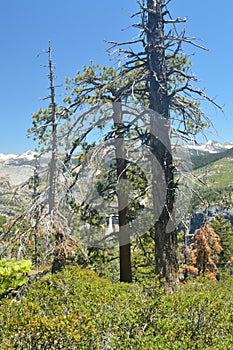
x: 13, y: 273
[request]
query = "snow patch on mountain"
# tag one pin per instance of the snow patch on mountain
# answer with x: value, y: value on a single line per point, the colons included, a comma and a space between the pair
x: 26, y: 158
x: 210, y: 146
x: 19, y: 167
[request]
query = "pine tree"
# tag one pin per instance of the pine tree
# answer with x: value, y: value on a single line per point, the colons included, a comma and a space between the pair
x: 224, y: 229
x: 202, y: 256
x: 164, y: 73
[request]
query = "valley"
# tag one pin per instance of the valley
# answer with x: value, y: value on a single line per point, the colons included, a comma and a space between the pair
x: 212, y: 165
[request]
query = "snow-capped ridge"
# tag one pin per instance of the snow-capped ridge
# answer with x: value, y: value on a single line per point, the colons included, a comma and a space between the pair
x: 28, y: 157
x: 210, y: 146
x: 25, y: 158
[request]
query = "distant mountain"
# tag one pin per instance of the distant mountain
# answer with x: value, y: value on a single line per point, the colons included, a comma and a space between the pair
x: 214, y: 179
x: 26, y: 158
x: 18, y: 168
x: 212, y: 163
x: 199, y: 161
x: 209, y: 147
x: 213, y: 189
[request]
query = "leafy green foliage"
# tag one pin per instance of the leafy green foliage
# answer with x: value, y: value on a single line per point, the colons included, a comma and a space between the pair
x: 13, y: 273
x: 75, y: 309
x: 99, y: 84
x: 199, y: 161
x: 225, y: 230
x: 41, y: 130
x: 105, y: 260
x: 214, y: 183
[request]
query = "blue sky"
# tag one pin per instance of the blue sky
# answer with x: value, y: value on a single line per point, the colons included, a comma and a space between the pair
x: 77, y: 30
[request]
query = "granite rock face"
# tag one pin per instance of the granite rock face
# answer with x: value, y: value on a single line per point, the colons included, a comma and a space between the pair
x: 205, y: 214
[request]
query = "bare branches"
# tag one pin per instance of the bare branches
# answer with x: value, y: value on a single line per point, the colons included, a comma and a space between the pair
x: 116, y: 44
x: 166, y: 3
x: 188, y: 40
x: 177, y: 20
x: 204, y: 95
x: 180, y: 80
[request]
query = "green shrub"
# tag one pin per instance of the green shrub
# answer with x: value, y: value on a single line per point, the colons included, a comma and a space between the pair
x: 75, y: 309
x: 12, y: 273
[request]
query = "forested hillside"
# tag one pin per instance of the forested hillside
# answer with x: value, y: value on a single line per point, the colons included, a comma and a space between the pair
x: 202, y: 160
x: 214, y: 180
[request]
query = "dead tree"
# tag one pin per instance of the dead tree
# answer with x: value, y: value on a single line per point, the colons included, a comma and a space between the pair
x: 53, y: 166
x: 165, y: 238
x: 164, y: 82
x: 43, y: 218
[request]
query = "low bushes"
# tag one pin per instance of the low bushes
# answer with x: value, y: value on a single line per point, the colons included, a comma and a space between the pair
x: 75, y: 309
x: 13, y: 273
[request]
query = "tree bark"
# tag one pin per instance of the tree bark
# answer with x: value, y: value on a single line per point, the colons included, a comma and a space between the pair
x: 59, y: 257
x: 53, y: 164
x: 122, y: 196
x: 164, y: 236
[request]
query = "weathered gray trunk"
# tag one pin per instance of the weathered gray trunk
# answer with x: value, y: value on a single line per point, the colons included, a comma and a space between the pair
x: 59, y: 257
x: 165, y: 236
x: 54, y: 149
x: 122, y: 196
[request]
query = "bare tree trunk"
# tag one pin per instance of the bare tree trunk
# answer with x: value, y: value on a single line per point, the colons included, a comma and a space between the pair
x: 122, y: 196
x: 59, y: 257
x: 36, y: 181
x: 54, y: 150
x: 165, y: 237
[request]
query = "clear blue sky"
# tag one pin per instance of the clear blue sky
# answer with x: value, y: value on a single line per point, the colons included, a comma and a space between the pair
x: 77, y: 30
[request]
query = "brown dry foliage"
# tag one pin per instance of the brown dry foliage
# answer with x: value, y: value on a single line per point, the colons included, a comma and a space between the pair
x: 201, y: 256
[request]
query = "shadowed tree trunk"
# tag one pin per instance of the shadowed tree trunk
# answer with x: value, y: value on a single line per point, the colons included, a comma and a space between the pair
x: 122, y: 196
x: 156, y: 74
x: 164, y: 232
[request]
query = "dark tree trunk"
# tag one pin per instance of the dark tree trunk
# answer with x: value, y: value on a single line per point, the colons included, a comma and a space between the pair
x: 156, y: 59
x: 165, y: 236
x: 122, y: 196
